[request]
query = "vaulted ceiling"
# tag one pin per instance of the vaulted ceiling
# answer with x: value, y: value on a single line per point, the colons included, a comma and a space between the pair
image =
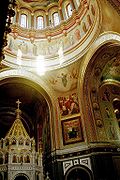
x: 32, y: 105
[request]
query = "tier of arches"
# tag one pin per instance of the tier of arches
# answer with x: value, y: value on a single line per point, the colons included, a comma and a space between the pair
x: 15, y: 158
x: 28, y: 143
x: 51, y: 16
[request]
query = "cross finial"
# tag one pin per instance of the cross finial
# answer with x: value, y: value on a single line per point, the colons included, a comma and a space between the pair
x: 18, y: 103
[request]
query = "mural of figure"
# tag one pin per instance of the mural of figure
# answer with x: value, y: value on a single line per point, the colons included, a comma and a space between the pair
x: 71, y: 40
x: 60, y: 44
x: 92, y: 10
x: 34, y: 50
x: 64, y: 79
x: 23, y: 47
x: 68, y: 105
x: 74, y: 107
x: 10, y: 44
x: 112, y: 132
x: 89, y: 20
x: 64, y: 110
x: 66, y: 42
x: 84, y: 27
x: 77, y: 34
x: 106, y: 95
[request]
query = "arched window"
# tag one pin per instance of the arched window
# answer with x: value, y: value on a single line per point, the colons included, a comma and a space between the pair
x: 56, y: 19
x: 69, y: 10
x: 40, y: 22
x: 23, y: 20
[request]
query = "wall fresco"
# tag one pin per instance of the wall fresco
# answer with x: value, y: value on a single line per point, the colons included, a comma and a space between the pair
x: 68, y: 104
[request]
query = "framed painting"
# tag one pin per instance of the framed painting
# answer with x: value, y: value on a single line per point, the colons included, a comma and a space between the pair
x: 72, y: 130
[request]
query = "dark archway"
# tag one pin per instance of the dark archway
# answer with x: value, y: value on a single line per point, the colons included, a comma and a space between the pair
x: 21, y: 177
x: 78, y: 173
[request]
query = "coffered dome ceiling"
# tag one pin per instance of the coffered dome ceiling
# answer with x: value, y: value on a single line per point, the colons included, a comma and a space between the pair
x: 56, y: 43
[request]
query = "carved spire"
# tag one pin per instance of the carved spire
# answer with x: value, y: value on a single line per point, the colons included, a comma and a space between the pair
x: 17, y: 130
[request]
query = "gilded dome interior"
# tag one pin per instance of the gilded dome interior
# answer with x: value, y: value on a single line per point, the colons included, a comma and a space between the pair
x: 49, y: 33
x: 61, y: 59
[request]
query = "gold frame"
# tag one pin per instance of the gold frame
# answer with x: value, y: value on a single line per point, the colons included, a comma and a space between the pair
x: 72, y: 130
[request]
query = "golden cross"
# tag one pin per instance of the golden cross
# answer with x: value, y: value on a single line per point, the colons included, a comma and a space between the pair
x: 18, y: 103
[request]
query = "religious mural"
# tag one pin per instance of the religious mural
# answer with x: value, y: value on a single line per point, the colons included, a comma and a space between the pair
x: 112, y: 69
x: 46, y: 47
x: 107, y: 94
x: 72, y: 130
x: 68, y: 104
x: 64, y: 80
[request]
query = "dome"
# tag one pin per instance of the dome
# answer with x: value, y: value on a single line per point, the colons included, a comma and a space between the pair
x: 51, y: 34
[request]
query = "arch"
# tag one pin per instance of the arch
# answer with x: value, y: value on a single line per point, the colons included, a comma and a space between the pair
x: 23, y: 20
x: 108, y: 37
x: 78, y: 173
x: 39, y: 22
x: 67, y: 9
x: 106, y: 48
x: 38, y: 84
x: 39, y: 13
x: 21, y: 177
x: 27, y: 13
x: 108, y: 93
x: 44, y: 89
x: 56, y: 19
